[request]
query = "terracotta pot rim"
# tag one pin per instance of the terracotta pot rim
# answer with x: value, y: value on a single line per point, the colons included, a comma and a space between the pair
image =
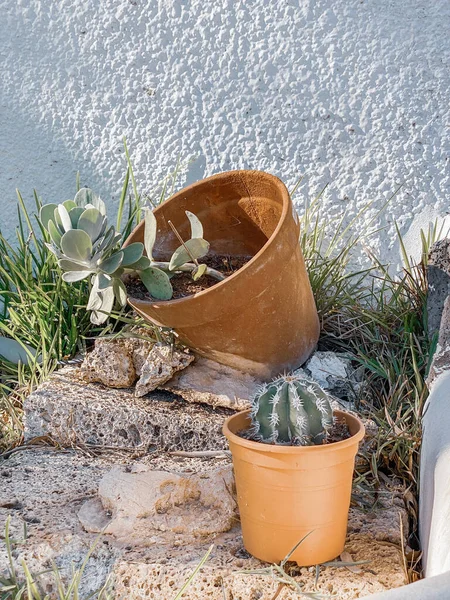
x: 278, y: 449
x: 135, y: 302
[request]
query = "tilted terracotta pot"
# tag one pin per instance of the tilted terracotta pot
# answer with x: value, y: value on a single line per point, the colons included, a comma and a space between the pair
x: 288, y: 492
x: 262, y: 319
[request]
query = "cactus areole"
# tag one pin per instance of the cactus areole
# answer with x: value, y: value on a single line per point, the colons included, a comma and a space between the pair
x: 261, y: 319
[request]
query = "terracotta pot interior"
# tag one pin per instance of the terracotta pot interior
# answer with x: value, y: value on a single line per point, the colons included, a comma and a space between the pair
x: 233, y: 224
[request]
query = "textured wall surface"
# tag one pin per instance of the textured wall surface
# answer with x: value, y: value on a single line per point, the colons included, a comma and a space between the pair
x: 354, y: 94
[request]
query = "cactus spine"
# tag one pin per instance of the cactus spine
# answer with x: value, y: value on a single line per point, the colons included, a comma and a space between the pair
x: 291, y: 410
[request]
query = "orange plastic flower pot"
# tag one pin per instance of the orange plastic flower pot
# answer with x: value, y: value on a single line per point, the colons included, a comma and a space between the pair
x: 262, y: 319
x: 288, y: 492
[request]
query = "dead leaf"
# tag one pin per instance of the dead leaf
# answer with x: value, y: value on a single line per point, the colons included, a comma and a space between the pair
x: 346, y: 557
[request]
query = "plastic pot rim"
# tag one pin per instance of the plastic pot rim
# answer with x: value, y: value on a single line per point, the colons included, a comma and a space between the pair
x: 280, y: 449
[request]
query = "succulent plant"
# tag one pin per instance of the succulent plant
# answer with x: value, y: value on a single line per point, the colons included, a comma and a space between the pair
x: 86, y: 246
x: 190, y: 250
x: 291, y: 410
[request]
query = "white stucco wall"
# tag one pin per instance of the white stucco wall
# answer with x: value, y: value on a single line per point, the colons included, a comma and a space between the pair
x: 354, y: 93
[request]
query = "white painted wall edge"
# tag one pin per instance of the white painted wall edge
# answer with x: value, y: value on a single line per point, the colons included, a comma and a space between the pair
x: 433, y: 588
x: 434, y: 495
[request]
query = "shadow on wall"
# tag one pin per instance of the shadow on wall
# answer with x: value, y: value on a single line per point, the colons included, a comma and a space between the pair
x: 196, y: 170
x: 39, y: 157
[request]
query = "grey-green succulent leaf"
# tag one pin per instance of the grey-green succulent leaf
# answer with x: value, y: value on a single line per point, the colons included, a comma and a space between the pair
x: 64, y: 216
x: 69, y: 204
x: 86, y: 196
x: 196, y: 225
x: 54, y: 233
x: 57, y: 220
x: 76, y: 244
x: 120, y: 291
x: 103, y: 281
x: 157, y: 283
x: 104, y: 226
x: 141, y: 264
x: 107, y: 299
x: 101, y: 314
x: 15, y: 352
x: 54, y: 250
x: 72, y: 265
x: 98, y: 317
x: 112, y: 263
x: 150, y: 230
x: 199, y: 272
x: 116, y: 239
x: 46, y: 214
x: 106, y: 241
x: 132, y: 253
x: 73, y: 276
x: 95, y: 299
x: 75, y: 214
x: 197, y: 247
x: 91, y: 221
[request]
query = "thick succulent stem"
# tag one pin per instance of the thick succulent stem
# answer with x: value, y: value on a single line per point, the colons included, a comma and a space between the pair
x: 188, y: 268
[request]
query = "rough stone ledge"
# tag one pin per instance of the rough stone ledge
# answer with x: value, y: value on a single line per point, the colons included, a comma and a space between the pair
x: 73, y: 412
x: 46, y: 490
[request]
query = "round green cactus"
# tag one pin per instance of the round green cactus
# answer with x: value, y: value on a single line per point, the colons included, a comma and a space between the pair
x: 291, y: 410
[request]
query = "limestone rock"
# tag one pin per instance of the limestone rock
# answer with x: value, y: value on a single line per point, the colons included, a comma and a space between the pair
x: 73, y: 412
x: 209, y: 382
x: 335, y: 373
x: 161, y: 364
x: 222, y: 575
x: 441, y: 357
x: 46, y: 489
x: 380, y: 514
x: 439, y: 255
x: 438, y: 291
x: 141, y: 349
x: 118, y: 362
x: 149, y: 507
x: 438, y: 307
x: 440, y: 364
x: 438, y: 277
x: 110, y: 363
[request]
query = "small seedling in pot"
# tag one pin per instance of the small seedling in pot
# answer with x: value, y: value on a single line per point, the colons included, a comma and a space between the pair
x: 190, y: 250
x: 291, y: 410
x: 86, y: 247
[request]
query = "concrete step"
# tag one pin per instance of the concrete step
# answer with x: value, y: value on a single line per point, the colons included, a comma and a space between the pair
x: 47, y: 490
x: 75, y: 413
